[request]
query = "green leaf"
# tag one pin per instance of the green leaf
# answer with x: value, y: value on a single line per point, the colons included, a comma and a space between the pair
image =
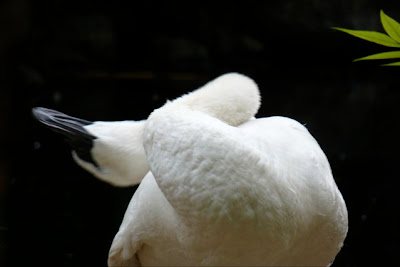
x: 391, y: 26
x: 376, y: 37
x: 392, y: 64
x: 384, y: 55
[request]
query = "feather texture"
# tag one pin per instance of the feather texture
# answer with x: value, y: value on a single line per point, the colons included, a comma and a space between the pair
x: 219, y: 187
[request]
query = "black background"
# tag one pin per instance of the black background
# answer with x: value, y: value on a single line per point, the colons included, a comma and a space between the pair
x: 119, y: 60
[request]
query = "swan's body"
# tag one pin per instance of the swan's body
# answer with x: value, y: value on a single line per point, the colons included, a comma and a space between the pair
x: 221, y: 188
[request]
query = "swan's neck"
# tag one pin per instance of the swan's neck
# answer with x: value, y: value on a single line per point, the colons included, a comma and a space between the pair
x: 232, y: 98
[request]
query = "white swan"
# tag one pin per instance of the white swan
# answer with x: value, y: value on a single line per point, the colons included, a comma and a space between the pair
x: 220, y: 187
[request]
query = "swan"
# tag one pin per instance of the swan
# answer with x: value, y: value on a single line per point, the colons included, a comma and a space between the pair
x: 218, y: 187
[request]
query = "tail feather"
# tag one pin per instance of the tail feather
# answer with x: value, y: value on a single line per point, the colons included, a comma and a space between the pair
x: 72, y: 128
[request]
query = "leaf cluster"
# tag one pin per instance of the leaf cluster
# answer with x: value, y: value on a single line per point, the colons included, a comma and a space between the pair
x: 390, y: 39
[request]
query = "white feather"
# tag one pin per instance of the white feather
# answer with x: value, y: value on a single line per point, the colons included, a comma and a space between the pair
x: 223, y: 188
x: 118, y: 151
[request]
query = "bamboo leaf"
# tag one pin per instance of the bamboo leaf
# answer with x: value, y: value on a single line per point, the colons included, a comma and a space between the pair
x: 376, y: 37
x: 391, y: 26
x: 384, y: 55
x: 392, y: 64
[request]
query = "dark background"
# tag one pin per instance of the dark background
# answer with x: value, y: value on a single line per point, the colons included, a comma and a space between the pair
x: 119, y: 60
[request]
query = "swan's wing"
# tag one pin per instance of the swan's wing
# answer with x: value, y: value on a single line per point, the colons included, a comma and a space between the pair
x: 148, y: 216
x: 201, y: 163
x: 269, y: 174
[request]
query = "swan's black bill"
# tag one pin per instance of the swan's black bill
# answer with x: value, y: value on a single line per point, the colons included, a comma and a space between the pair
x: 80, y: 140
